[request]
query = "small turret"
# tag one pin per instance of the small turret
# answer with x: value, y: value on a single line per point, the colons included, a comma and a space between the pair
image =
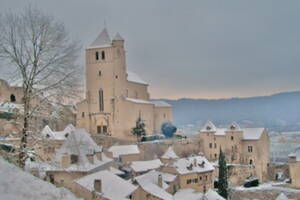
x: 118, y: 40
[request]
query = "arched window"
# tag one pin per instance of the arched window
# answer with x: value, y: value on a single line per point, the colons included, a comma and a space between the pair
x: 99, y: 73
x: 97, y: 55
x: 103, y: 55
x: 251, y: 162
x: 12, y: 98
x: 101, y: 100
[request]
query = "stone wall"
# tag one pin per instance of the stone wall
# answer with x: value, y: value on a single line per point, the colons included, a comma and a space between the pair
x: 277, y: 169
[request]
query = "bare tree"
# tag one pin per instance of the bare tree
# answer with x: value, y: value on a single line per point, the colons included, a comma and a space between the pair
x: 44, y: 58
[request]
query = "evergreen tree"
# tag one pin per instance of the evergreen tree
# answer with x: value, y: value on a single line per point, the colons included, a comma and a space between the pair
x: 139, y: 129
x: 223, y: 182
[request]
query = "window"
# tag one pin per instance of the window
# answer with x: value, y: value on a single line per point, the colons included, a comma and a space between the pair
x: 188, y: 181
x: 99, y: 73
x: 127, y: 92
x: 216, y: 155
x: 104, y: 129
x: 200, y: 178
x: 117, y: 77
x: 12, y: 98
x: 210, y: 145
x: 195, y: 180
x: 206, y: 177
x: 82, y: 114
x: 99, y: 130
x: 74, y: 158
x: 97, y: 55
x: 215, y: 145
x: 250, y: 149
x: 251, y: 162
x: 101, y: 103
x: 232, y: 138
x: 103, y: 55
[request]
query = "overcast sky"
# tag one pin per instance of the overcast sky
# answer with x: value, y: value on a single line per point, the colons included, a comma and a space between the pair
x: 195, y: 48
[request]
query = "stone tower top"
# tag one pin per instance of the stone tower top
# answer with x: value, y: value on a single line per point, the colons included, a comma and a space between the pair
x: 103, y: 40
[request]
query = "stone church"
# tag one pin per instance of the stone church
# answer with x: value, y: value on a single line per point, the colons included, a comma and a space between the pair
x: 116, y: 97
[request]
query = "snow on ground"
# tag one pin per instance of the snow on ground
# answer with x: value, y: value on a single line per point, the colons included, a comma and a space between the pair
x: 16, y: 184
x: 280, y: 186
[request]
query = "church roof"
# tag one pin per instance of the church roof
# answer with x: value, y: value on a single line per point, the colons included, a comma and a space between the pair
x: 133, y: 77
x: 103, y: 40
x: 118, y: 37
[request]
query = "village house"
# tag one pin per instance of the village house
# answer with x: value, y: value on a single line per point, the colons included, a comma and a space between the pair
x: 194, y: 172
x: 242, y: 146
x: 50, y: 141
x: 141, y: 167
x: 77, y: 157
x: 155, y: 185
x: 294, y: 167
x: 124, y: 153
x: 116, y: 97
x: 103, y: 185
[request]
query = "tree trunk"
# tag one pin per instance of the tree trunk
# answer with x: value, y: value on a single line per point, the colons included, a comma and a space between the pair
x: 23, y: 144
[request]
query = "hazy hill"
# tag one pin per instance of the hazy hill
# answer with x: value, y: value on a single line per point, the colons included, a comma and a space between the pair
x: 280, y: 112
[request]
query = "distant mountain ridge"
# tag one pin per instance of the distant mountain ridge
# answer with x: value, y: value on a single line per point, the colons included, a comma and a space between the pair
x: 278, y: 112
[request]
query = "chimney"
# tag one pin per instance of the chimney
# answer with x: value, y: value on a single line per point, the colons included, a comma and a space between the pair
x: 98, y: 185
x: 99, y: 155
x: 160, y: 181
x: 65, y: 160
x: 90, y: 158
x: 195, y: 162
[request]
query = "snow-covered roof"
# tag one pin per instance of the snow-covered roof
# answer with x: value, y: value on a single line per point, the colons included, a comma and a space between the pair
x: 141, y: 101
x: 248, y: 133
x: 282, y: 196
x: 143, y: 166
x: 170, y: 154
x: 103, y: 40
x: 112, y: 186
x: 209, y: 127
x: 116, y: 171
x: 81, y: 144
x: 119, y: 150
x: 149, y: 183
x: 296, y: 154
x: 189, y: 194
x: 192, y: 164
x: 161, y: 104
x: 18, y: 184
x: 212, y: 195
x: 57, y: 135
x: 133, y: 77
x: 10, y: 107
x: 118, y: 37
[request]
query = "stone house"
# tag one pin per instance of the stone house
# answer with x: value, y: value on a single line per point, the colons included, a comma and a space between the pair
x: 244, y: 146
x: 294, y: 167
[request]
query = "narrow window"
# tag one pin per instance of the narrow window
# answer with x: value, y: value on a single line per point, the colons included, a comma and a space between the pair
x: 127, y: 92
x: 99, y: 129
x: 103, y: 55
x: 97, y: 55
x: 117, y: 77
x: 99, y: 73
x: 232, y: 138
x: 82, y: 114
x: 104, y: 129
x: 216, y: 155
x: 251, y: 162
x: 101, y: 102
x: 12, y: 98
x: 210, y: 145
